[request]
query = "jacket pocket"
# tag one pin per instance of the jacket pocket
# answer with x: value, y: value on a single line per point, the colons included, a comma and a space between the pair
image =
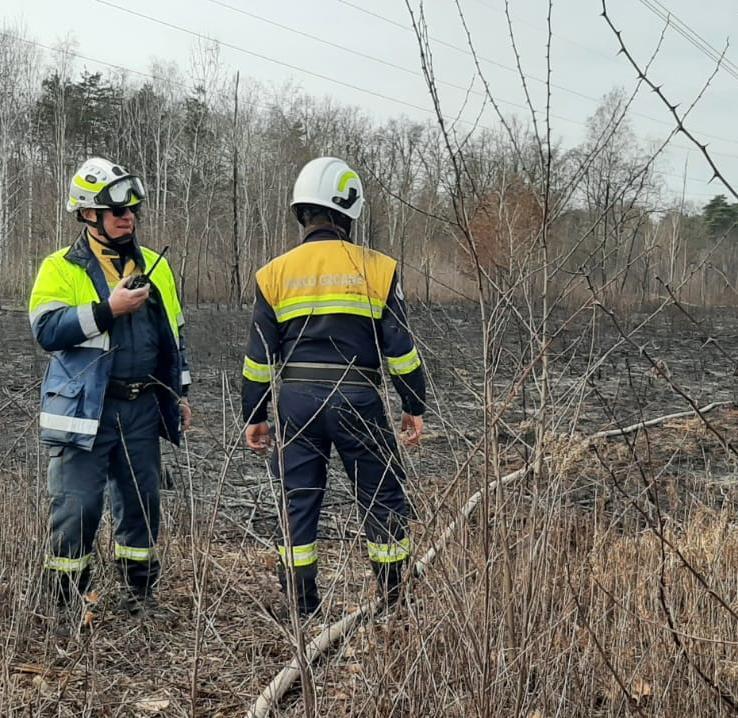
x: 62, y: 395
x: 63, y: 387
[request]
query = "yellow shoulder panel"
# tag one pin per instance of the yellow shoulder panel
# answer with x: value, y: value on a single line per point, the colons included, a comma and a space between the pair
x: 327, y: 277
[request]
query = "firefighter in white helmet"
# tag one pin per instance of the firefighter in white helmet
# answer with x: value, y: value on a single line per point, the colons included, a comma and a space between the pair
x: 324, y: 315
x: 116, y: 380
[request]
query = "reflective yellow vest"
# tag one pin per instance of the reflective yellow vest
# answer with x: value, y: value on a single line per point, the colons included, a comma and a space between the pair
x: 60, y: 311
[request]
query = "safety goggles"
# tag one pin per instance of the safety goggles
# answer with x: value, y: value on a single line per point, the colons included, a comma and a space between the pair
x: 120, y: 192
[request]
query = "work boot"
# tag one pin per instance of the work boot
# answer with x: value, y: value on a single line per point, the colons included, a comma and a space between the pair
x: 136, y: 602
x: 64, y: 616
x: 308, y: 598
x: 141, y: 604
x: 389, y: 581
x: 280, y: 612
x: 62, y: 588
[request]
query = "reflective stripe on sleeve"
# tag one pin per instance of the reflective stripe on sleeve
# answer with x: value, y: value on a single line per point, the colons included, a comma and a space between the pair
x: 404, y: 364
x: 87, y: 320
x: 66, y: 565
x: 34, y: 314
x: 389, y: 552
x: 254, y: 371
x: 362, y: 306
x: 301, y: 555
x: 135, y: 553
x: 71, y: 424
x: 101, y: 341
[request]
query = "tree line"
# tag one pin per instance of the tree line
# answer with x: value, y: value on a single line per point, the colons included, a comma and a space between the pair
x: 219, y: 154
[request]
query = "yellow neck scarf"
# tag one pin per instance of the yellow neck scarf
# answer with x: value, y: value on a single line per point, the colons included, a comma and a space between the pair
x: 110, y: 262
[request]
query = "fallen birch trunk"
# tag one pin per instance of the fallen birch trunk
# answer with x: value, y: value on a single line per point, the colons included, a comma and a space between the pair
x: 654, y: 422
x: 283, y: 681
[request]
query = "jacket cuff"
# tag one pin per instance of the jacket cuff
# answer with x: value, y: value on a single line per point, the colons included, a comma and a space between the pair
x: 413, y: 407
x: 411, y: 388
x: 103, y: 316
x: 260, y: 414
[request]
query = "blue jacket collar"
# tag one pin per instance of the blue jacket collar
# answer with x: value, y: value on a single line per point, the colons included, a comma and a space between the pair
x: 81, y: 254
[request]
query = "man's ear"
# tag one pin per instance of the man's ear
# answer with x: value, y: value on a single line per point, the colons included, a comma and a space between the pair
x: 88, y: 214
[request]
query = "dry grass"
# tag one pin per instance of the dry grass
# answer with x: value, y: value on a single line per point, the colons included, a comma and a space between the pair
x: 593, y: 586
x: 618, y: 539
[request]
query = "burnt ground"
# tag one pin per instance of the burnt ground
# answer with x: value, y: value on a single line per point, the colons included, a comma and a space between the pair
x: 213, y: 470
x: 622, y: 388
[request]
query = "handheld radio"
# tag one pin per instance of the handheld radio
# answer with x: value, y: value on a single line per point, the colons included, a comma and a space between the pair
x: 141, y: 280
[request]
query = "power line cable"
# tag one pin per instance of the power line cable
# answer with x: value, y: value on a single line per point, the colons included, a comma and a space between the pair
x: 393, y: 65
x: 66, y: 51
x: 126, y: 69
x: 414, y: 73
x: 696, y: 34
x: 691, y: 35
x: 599, y: 53
x: 273, y: 60
x: 251, y: 53
x: 312, y: 73
x: 487, y: 60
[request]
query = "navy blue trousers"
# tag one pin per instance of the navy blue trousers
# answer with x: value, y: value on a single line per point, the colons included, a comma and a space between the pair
x: 125, y: 458
x: 312, y: 419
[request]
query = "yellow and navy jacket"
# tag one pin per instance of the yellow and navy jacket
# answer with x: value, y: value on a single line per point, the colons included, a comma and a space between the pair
x: 329, y: 301
x: 71, y: 318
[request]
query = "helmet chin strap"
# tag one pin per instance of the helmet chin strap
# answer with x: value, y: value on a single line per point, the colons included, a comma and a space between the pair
x: 99, y: 227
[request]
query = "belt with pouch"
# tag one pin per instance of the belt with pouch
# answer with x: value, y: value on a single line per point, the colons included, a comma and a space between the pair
x: 331, y: 373
x: 128, y: 390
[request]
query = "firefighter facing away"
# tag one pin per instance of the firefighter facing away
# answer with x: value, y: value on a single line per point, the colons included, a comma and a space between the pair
x: 324, y: 315
x: 116, y: 381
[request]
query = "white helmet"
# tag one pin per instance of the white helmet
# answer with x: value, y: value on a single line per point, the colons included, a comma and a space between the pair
x: 100, y: 184
x: 329, y: 182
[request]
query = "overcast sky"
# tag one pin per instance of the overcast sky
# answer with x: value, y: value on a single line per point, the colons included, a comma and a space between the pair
x: 373, y: 50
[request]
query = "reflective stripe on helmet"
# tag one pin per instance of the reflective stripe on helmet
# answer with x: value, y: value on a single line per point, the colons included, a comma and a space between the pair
x: 82, y: 183
x: 346, y: 177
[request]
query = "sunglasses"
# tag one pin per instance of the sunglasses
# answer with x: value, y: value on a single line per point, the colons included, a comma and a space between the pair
x: 121, y: 211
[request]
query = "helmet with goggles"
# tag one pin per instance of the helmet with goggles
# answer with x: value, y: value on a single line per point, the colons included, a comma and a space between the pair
x: 102, y: 184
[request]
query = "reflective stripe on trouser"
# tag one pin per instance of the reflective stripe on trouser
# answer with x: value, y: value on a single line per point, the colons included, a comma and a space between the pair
x: 134, y: 553
x: 389, y: 552
x: 67, y: 565
x: 299, y: 555
x: 126, y: 451
x: 314, y: 418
